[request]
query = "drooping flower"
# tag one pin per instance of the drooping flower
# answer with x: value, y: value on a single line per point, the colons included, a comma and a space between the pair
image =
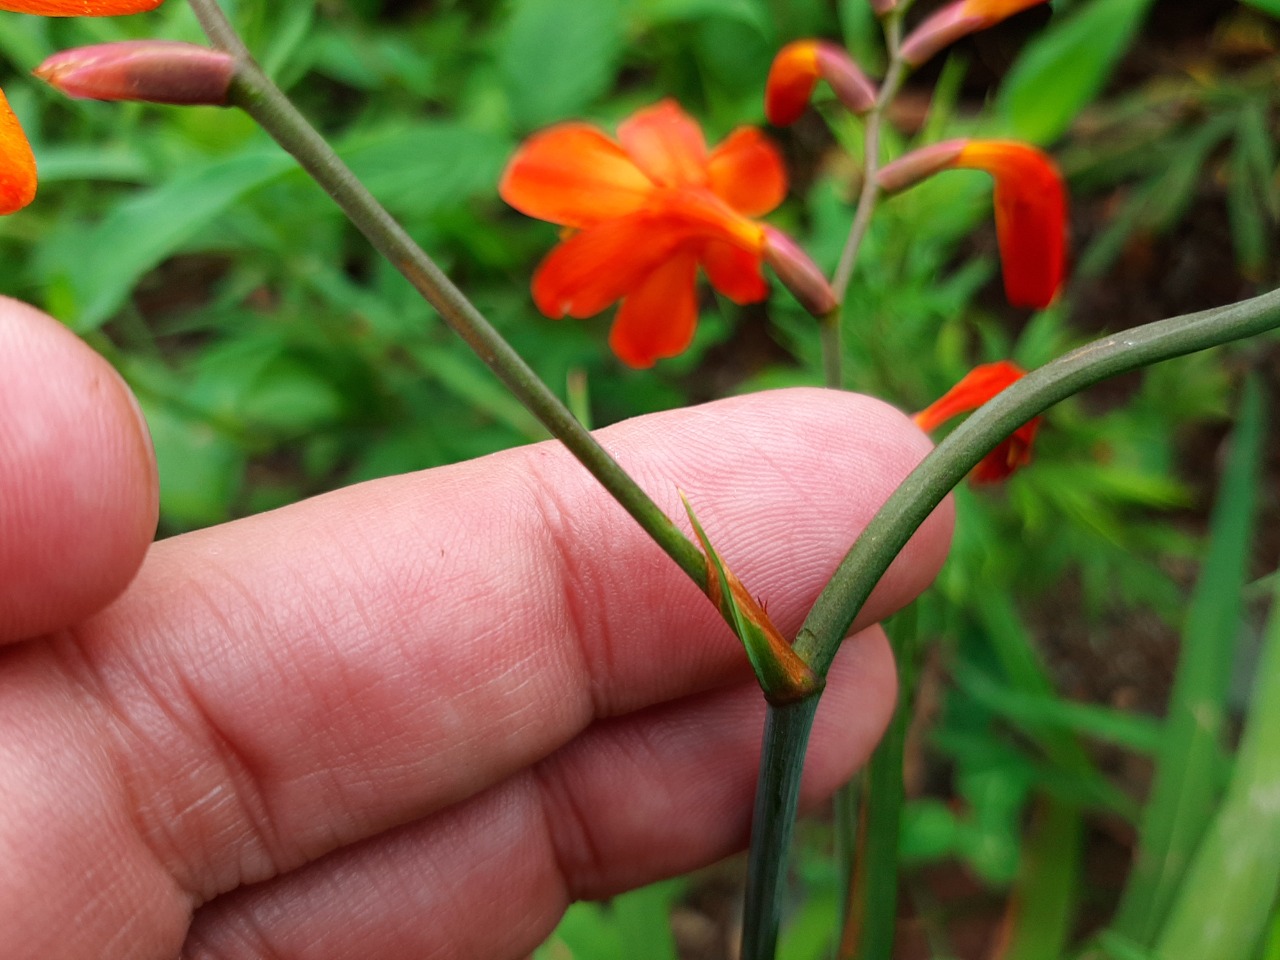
x: 17, y: 163
x: 795, y: 72
x: 977, y: 387
x: 1030, y: 204
x: 955, y: 21
x: 644, y: 213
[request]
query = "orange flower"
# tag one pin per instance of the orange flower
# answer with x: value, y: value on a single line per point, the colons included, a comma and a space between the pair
x: 79, y: 8
x: 17, y: 164
x: 1030, y: 203
x: 644, y: 213
x: 954, y: 21
x: 978, y: 386
x: 795, y: 72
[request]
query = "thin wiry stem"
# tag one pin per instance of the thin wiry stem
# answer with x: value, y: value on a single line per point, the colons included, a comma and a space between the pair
x: 258, y: 96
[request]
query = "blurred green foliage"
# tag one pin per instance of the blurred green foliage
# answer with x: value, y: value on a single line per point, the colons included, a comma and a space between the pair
x: 275, y: 356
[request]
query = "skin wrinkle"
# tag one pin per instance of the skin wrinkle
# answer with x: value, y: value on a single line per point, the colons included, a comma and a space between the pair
x: 559, y: 539
x: 235, y: 775
x: 106, y: 714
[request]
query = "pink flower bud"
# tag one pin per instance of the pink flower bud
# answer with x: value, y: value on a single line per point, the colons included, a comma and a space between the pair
x: 154, y: 71
x: 798, y: 273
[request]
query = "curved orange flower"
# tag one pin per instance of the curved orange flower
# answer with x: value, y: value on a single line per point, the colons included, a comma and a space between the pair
x: 79, y: 8
x: 1030, y: 203
x: 955, y: 21
x: 17, y: 164
x: 977, y: 387
x: 646, y: 211
x: 795, y: 72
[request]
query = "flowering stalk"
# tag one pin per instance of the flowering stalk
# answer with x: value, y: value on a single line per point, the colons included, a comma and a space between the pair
x: 253, y: 92
x: 831, y: 346
x: 832, y: 615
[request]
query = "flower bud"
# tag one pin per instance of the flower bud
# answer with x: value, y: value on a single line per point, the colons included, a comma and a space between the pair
x: 154, y: 71
x: 798, y: 273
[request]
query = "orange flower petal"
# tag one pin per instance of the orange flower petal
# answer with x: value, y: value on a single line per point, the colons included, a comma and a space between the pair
x: 796, y: 70
x: 746, y: 172
x: 17, y: 163
x: 977, y: 387
x: 667, y: 144
x: 572, y: 174
x: 792, y: 77
x: 1031, y: 217
x: 594, y: 268
x: 1010, y: 455
x: 733, y: 271
x: 79, y: 8
x: 658, y: 318
x: 998, y: 9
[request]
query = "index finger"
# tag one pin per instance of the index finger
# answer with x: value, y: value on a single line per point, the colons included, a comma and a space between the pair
x: 295, y: 682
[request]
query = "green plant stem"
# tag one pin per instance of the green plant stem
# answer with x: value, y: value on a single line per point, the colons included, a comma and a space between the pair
x: 832, y: 350
x: 870, y: 193
x: 911, y: 503
x: 786, y: 731
x: 832, y: 615
x: 259, y: 97
x: 872, y: 896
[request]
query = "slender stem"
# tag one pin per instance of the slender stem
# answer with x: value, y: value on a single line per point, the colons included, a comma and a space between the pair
x: 832, y: 350
x: 786, y: 731
x: 254, y: 93
x: 889, y: 88
x: 872, y: 895
x: 832, y: 615
x: 911, y: 503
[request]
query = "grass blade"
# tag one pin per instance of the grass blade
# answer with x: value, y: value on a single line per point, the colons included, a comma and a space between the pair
x: 1191, y: 763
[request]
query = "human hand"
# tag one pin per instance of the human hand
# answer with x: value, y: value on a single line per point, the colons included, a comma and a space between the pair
x: 412, y: 718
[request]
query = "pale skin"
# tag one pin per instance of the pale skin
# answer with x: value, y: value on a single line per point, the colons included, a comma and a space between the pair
x: 413, y: 718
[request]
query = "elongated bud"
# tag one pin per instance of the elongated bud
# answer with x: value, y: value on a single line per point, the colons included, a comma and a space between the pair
x: 796, y: 71
x: 881, y: 7
x: 955, y: 21
x: 154, y: 71
x: 918, y: 165
x: 798, y: 273
x: 783, y: 675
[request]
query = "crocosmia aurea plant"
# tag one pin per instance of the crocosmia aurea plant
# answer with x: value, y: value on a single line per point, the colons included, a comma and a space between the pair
x: 667, y: 194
